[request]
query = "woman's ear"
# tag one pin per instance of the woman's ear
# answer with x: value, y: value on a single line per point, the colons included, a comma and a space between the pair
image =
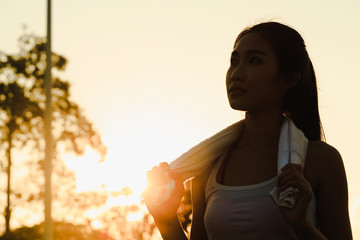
x: 292, y: 79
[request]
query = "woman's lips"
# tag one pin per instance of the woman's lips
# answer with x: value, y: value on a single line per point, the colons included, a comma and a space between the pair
x: 236, y: 90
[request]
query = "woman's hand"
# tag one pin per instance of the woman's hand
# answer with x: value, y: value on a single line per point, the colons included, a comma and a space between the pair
x: 292, y: 176
x: 166, y: 211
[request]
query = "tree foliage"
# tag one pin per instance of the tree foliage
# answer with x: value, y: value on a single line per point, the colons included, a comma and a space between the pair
x: 62, y: 231
x: 22, y: 99
x: 22, y: 107
x: 115, y: 222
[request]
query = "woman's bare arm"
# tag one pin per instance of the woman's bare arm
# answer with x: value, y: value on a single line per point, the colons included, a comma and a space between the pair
x: 324, y: 176
x: 332, y: 196
x: 292, y: 175
x: 165, y: 214
x: 171, y: 229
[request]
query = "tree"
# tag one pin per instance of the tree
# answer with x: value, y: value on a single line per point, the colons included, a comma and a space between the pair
x: 115, y: 222
x: 22, y: 106
x: 62, y: 231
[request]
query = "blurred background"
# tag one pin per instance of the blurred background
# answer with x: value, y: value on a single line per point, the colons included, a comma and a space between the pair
x: 138, y: 83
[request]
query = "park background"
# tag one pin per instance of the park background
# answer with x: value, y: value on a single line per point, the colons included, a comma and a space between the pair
x: 150, y: 77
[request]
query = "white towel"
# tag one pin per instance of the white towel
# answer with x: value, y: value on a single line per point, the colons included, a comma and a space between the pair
x: 193, y: 162
x: 292, y: 148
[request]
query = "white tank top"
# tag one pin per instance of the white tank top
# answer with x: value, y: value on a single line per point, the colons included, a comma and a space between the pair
x: 245, y: 212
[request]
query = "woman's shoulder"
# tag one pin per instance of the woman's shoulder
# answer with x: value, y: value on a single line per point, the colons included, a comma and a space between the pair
x: 325, y: 165
x: 323, y: 161
x: 321, y: 152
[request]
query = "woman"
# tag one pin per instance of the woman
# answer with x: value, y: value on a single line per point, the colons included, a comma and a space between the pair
x: 270, y: 76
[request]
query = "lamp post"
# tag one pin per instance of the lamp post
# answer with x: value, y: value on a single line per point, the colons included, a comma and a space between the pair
x: 48, y: 228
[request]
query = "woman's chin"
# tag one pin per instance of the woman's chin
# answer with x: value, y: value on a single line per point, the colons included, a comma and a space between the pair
x: 238, y: 106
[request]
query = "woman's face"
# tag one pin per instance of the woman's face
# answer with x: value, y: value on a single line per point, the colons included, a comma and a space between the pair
x: 252, y: 81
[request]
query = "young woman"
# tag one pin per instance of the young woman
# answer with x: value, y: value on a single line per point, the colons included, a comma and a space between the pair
x: 270, y: 76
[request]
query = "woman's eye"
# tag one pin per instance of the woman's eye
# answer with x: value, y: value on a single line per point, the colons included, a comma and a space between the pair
x: 233, y: 61
x: 255, y: 60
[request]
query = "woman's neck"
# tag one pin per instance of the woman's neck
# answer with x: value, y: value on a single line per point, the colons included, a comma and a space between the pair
x: 261, y: 129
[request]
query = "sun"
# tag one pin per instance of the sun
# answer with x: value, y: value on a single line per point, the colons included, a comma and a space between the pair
x: 115, y: 173
x: 132, y: 151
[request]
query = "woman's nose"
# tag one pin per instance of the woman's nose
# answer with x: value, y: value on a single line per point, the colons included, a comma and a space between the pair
x: 238, y: 73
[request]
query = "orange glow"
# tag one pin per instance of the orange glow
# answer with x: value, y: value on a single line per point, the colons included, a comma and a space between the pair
x: 152, y: 80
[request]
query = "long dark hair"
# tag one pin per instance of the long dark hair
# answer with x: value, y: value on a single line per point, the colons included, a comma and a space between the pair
x: 301, y: 101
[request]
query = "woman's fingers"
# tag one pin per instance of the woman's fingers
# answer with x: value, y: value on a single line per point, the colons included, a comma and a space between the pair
x: 165, y: 166
x: 157, y: 175
x: 292, y: 176
x: 304, y: 188
x: 291, y: 166
x: 289, y: 172
x: 288, y: 177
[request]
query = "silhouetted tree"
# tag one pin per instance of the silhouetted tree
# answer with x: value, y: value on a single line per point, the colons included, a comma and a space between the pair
x: 62, y: 231
x: 115, y: 222
x: 22, y: 106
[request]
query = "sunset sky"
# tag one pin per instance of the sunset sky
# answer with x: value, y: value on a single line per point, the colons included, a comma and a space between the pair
x: 150, y: 74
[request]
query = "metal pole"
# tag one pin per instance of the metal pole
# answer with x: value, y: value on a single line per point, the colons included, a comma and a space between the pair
x: 48, y: 228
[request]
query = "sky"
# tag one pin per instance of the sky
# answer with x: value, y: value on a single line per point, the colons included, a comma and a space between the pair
x: 150, y: 74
